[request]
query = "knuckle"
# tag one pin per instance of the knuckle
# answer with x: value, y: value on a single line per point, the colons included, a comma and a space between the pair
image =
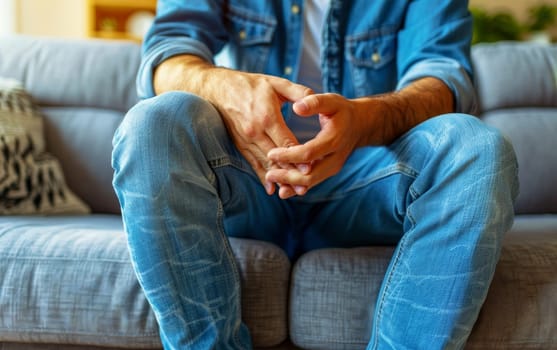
x: 307, y: 156
x: 250, y: 131
x: 288, y: 143
x: 266, y: 120
x: 308, y: 91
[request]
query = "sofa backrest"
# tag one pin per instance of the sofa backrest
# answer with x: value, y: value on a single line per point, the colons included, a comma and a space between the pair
x: 66, y: 72
x: 516, y: 83
x: 84, y: 88
x: 515, y: 74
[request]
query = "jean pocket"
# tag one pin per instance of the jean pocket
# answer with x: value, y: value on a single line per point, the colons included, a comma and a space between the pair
x: 371, y: 57
x: 251, y: 35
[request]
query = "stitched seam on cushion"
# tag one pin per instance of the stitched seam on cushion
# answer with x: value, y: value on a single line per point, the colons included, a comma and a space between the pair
x: 49, y: 332
x: 64, y: 259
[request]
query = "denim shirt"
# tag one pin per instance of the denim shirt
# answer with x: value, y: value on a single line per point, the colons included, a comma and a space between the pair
x: 368, y: 46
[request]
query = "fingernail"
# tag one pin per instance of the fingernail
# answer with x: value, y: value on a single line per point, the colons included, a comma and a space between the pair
x: 301, y: 106
x: 300, y: 190
x: 269, y: 187
x: 304, y: 168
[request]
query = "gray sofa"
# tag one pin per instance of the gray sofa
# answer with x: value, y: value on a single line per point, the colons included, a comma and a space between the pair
x: 66, y: 282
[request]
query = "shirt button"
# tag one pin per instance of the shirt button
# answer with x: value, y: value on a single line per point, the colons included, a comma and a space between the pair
x: 287, y: 70
x: 242, y: 34
x: 376, y: 57
x: 295, y: 9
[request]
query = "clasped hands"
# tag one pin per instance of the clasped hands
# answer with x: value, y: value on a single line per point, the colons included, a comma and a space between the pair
x: 250, y: 106
x: 259, y: 131
x: 299, y: 167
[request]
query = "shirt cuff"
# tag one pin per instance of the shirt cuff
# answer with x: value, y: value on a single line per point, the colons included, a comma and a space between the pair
x: 451, y: 73
x: 162, y: 50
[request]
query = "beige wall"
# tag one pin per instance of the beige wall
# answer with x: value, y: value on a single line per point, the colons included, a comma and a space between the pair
x: 68, y: 18
x: 65, y: 18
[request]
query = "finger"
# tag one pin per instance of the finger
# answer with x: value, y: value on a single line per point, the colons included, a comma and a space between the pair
x: 307, y: 153
x: 260, y: 167
x: 326, y: 104
x: 278, y: 131
x: 281, y: 135
x: 288, y: 176
x: 286, y: 192
x: 300, y: 182
x: 251, y: 137
x: 290, y: 91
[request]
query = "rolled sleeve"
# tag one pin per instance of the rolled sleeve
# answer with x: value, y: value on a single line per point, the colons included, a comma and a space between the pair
x: 436, y: 43
x: 452, y: 73
x: 163, y: 50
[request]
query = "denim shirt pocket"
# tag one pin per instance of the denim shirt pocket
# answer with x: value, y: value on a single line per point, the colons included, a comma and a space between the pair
x: 251, y: 35
x: 371, y: 58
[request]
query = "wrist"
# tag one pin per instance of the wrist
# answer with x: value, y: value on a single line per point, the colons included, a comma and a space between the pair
x: 183, y: 73
x: 376, y: 114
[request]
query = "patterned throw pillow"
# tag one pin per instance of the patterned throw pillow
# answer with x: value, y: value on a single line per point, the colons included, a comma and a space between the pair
x: 31, y: 180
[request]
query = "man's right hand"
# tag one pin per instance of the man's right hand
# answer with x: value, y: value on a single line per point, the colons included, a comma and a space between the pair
x: 250, y: 105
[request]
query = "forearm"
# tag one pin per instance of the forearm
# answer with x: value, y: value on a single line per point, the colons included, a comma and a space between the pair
x: 402, y: 110
x: 185, y: 73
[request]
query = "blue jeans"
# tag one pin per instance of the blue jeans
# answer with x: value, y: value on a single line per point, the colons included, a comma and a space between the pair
x: 443, y: 192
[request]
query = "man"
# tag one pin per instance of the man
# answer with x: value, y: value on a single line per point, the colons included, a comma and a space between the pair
x: 343, y: 124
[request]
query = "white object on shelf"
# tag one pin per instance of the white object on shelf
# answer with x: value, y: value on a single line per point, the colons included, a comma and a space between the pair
x: 139, y: 23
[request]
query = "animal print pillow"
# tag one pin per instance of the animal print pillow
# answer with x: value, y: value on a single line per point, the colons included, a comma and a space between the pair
x: 31, y: 180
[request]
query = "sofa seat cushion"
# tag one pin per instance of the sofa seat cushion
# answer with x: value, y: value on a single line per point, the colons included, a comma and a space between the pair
x: 69, y: 280
x: 334, y: 292
x: 520, y: 312
x: 333, y: 296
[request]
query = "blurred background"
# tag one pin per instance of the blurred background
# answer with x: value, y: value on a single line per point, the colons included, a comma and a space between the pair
x: 128, y: 19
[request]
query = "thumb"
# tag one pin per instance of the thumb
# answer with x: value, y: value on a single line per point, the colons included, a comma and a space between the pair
x: 316, y: 104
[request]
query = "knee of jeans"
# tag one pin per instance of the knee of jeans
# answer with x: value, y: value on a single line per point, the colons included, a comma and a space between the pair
x: 468, y: 132
x: 163, y: 117
x: 171, y: 107
x: 469, y: 137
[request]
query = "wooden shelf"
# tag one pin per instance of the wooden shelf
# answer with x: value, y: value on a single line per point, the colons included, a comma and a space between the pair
x: 146, y: 4
x: 107, y: 19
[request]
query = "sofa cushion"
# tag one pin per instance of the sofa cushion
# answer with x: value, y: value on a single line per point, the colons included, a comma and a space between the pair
x: 515, y: 74
x: 31, y: 180
x: 533, y: 133
x: 520, y: 311
x: 334, y: 292
x: 265, y: 273
x: 69, y: 280
x: 333, y: 296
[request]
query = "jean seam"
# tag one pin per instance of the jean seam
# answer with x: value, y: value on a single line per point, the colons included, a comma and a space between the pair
x: 387, y: 287
x: 230, y: 254
x: 399, y: 251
